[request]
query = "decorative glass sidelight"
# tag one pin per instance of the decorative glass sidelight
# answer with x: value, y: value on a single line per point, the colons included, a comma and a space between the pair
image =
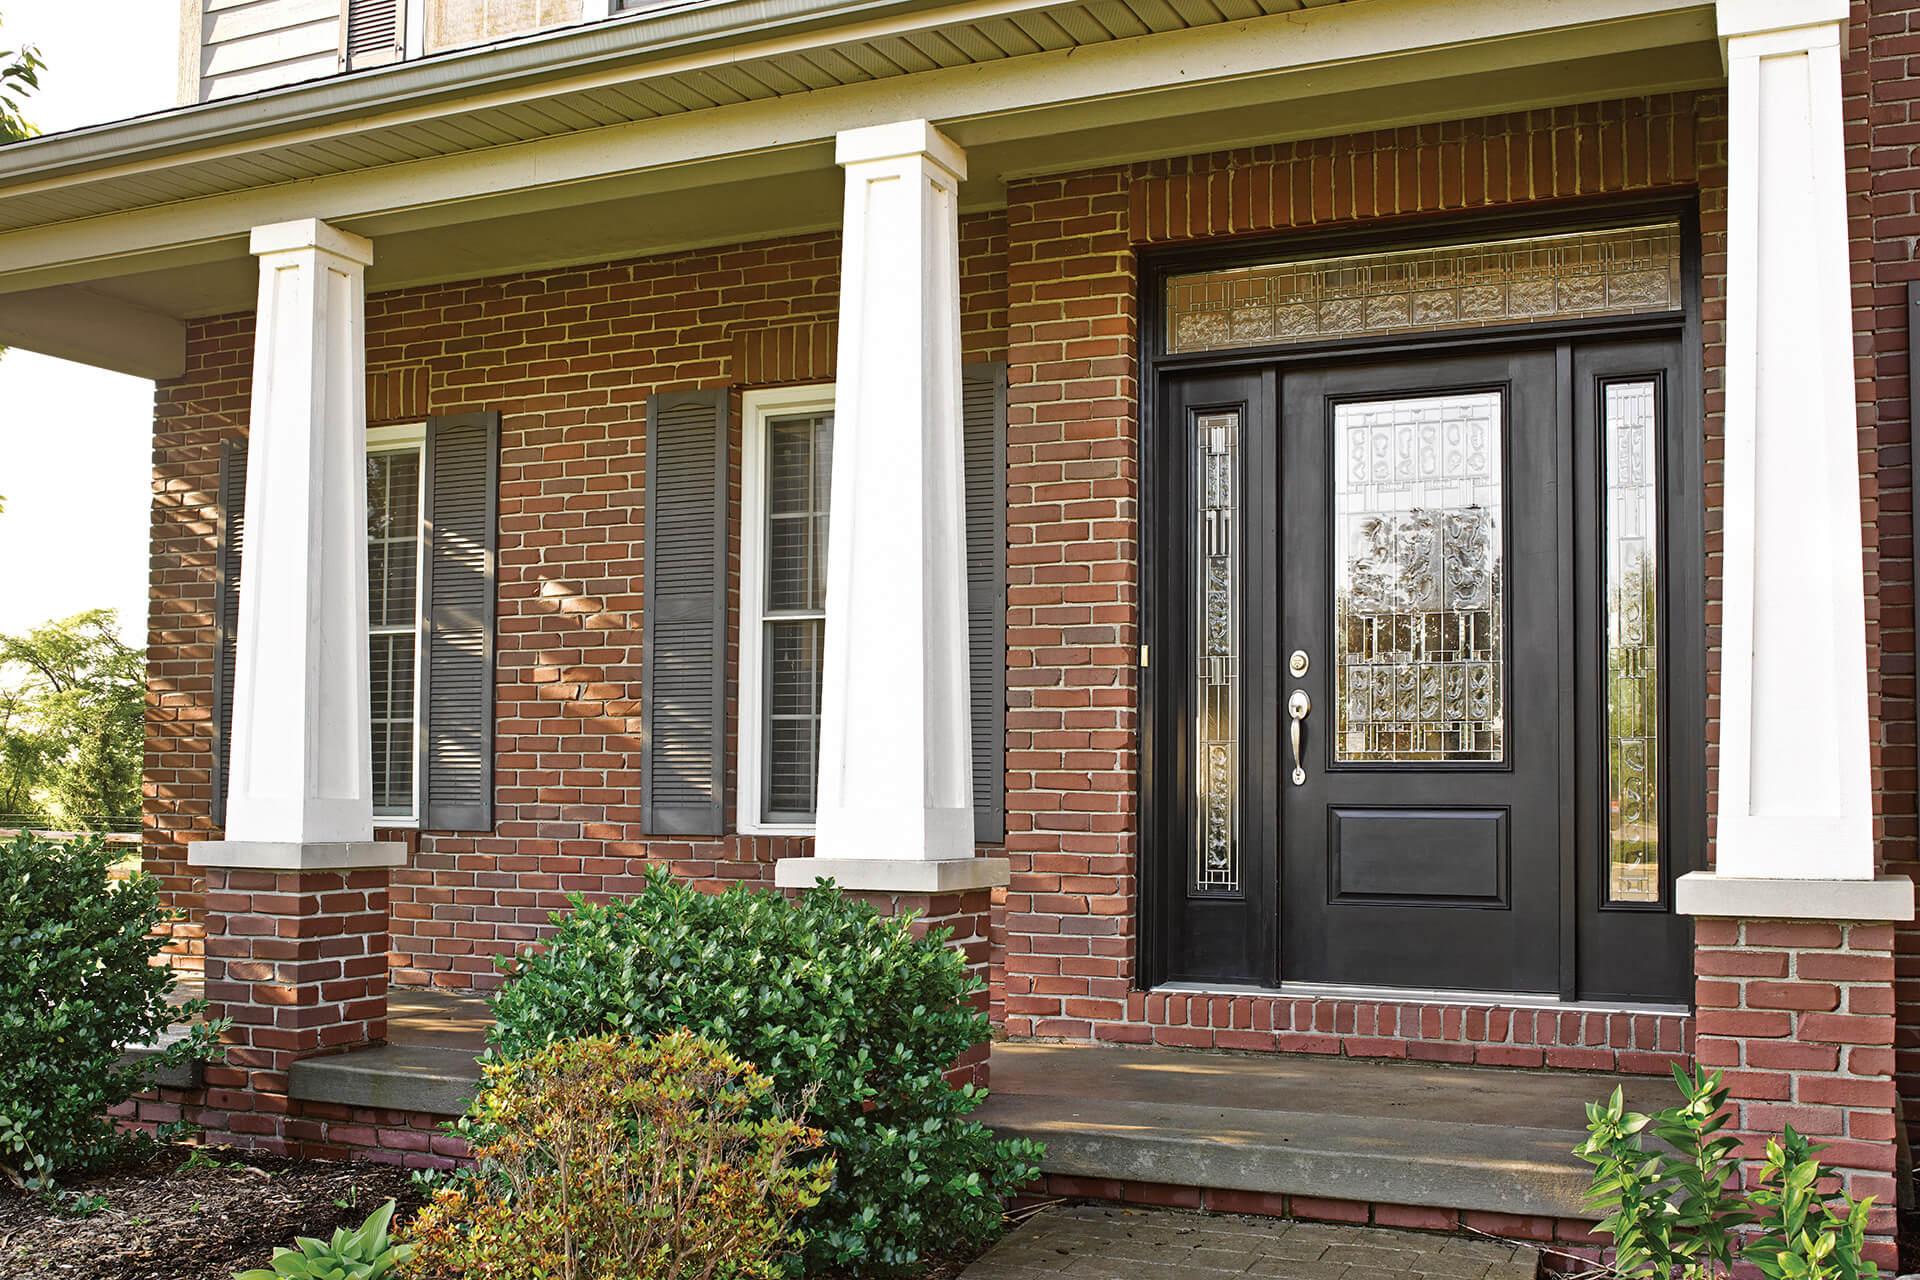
x: 1617, y: 271
x: 1630, y: 442
x: 1419, y: 649
x: 1216, y: 866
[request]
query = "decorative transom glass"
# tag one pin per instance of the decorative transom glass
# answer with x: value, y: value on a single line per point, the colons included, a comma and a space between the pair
x: 1622, y: 271
x: 1216, y: 459
x: 1419, y: 650
x: 1630, y: 431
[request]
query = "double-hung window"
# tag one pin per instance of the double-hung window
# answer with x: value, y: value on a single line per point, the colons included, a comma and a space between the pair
x: 395, y: 475
x: 787, y: 477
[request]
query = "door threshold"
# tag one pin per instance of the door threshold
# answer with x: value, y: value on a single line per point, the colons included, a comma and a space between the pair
x: 1418, y: 995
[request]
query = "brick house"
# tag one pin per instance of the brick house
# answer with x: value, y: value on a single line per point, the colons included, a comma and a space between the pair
x: 1317, y: 569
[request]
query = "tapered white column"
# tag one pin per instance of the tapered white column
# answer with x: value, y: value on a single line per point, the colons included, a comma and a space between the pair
x: 1795, y: 800
x: 895, y: 764
x: 300, y: 783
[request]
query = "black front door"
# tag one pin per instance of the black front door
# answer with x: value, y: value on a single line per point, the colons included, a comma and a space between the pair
x: 1420, y: 624
x: 1412, y: 716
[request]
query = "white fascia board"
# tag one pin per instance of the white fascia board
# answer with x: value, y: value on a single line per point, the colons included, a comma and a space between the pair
x: 1339, y: 48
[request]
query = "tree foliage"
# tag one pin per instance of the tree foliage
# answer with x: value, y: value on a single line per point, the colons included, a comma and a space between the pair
x: 72, y: 704
x: 20, y: 70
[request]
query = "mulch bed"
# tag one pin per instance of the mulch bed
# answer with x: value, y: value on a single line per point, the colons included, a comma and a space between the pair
x: 171, y: 1216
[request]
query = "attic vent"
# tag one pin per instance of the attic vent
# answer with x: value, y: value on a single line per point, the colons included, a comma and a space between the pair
x: 375, y: 33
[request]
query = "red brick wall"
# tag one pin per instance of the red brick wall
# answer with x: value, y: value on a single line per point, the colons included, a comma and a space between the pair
x: 1073, y: 584
x: 1883, y: 131
x: 568, y: 358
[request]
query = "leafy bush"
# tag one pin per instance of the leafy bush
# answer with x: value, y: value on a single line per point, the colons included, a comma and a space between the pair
x: 610, y: 1157
x: 76, y: 987
x: 1674, y: 1210
x: 366, y: 1254
x: 845, y: 1011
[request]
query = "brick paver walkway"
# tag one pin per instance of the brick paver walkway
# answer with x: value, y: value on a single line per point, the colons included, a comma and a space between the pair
x: 1088, y: 1242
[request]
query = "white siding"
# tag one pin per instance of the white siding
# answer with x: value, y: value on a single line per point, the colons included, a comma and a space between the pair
x: 247, y: 45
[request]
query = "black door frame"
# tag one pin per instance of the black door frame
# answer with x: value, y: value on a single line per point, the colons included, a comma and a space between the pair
x: 1683, y: 785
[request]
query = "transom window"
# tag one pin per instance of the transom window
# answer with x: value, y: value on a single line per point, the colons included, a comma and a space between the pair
x: 786, y: 486
x: 394, y: 548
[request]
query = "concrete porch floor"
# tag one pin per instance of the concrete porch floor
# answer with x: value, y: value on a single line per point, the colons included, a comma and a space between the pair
x: 1096, y: 1242
x: 1463, y: 1138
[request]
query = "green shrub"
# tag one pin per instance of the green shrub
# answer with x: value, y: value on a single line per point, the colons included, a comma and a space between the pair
x: 76, y: 987
x: 614, y: 1157
x: 847, y: 1012
x: 1675, y: 1209
x: 366, y: 1254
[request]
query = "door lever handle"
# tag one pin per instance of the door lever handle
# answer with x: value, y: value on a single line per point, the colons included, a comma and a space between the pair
x: 1298, y: 707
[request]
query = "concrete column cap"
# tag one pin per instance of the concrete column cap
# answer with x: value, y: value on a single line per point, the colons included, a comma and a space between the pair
x: 275, y: 855
x: 1706, y: 893
x: 893, y: 875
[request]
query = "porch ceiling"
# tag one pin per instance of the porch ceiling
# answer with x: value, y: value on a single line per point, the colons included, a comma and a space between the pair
x: 714, y: 122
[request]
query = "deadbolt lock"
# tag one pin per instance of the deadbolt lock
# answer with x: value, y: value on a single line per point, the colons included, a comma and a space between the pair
x: 1297, y: 664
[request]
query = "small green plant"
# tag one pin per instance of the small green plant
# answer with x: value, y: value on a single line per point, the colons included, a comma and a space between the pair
x: 366, y: 1254
x: 77, y: 986
x: 853, y: 1018
x: 612, y: 1157
x: 1673, y: 1210
x: 1805, y: 1234
x: 77, y: 1204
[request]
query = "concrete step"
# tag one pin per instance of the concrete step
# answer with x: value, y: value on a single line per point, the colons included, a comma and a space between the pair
x: 1444, y: 1137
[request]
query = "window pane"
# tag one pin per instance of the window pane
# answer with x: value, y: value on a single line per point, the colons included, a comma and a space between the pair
x: 1418, y: 653
x: 1216, y: 459
x: 393, y: 581
x: 792, y: 747
x: 1631, y: 438
x: 393, y: 537
x: 799, y: 464
x: 392, y: 685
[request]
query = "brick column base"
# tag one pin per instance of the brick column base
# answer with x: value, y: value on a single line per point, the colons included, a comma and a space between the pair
x: 298, y: 961
x: 1799, y: 1016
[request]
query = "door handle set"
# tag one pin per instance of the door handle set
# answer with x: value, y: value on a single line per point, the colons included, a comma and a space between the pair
x: 1299, y: 706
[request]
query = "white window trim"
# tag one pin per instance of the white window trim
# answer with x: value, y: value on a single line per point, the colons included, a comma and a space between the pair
x: 756, y: 408
x: 394, y: 439
x: 413, y: 29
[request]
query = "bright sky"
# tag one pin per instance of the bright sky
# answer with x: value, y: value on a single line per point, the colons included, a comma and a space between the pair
x: 75, y: 447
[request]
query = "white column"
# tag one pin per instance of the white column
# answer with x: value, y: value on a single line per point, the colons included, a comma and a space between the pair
x: 1795, y: 801
x: 896, y: 781
x: 300, y: 781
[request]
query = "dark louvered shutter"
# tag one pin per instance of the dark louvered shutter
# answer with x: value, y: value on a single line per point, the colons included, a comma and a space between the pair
x: 683, y: 706
x: 375, y: 33
x: 984, y: 411
x: 456, y: 680
x: 230, y: 526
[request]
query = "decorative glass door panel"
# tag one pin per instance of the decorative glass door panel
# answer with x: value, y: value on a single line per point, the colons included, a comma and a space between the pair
x: 1418, y: 650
